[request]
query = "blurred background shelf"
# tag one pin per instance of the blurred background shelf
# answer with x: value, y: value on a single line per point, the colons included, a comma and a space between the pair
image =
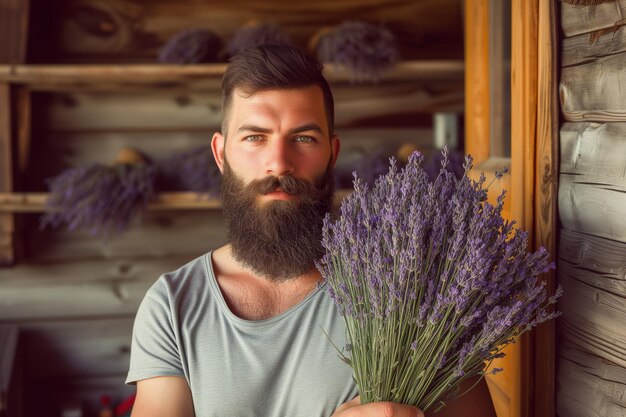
x: 36, y: 202
x: 89, y: 77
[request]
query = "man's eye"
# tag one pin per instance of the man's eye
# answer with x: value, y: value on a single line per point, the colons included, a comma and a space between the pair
x: 304, y: 139
x: 253, y: 138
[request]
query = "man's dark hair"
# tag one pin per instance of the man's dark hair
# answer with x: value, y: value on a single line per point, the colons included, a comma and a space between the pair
x: 270, y: 67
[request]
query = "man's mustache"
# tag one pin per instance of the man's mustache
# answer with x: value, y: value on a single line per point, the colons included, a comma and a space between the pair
x: 286, y: 183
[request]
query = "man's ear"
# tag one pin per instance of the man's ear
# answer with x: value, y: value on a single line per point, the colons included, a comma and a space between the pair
x: 335, y: 147
x: 217, y: 146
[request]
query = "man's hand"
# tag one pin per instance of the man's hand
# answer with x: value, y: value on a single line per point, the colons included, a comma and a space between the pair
x: 378, y: 409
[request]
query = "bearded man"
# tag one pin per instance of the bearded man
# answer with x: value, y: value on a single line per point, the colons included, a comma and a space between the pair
x: 239, y: 331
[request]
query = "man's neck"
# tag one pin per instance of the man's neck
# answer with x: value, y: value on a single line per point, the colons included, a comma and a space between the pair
x: 253, y: 297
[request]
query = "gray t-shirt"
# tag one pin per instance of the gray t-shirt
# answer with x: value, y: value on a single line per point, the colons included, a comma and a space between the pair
x: 283, y: 366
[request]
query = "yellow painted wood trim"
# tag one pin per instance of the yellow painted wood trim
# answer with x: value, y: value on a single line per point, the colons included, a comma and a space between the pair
x: 524, y: 31
x: 477, y: 79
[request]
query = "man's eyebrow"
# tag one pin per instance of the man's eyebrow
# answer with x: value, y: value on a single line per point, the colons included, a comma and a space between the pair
x: 306, y: 128
x: 253, y: 128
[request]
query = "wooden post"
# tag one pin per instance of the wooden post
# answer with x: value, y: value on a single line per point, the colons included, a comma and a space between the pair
x: 7, y: 221
x: 14, y: 30
x: 477, y: 79
x: 14, y: 117
x: 546, y: 196
x: 534, y: 176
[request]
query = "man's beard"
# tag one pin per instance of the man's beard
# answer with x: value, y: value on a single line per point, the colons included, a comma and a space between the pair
x: 277, y: 239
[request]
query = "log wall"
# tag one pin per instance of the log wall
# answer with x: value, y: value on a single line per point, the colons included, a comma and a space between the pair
x: 592, y: 207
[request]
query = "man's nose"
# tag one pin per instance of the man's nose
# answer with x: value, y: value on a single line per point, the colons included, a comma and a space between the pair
x: 279, y: 160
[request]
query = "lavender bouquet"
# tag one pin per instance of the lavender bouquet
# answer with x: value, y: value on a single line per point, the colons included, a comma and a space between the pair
x: 432, y: 283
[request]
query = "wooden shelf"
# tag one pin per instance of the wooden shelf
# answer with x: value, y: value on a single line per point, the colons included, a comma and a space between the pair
x: 36, y: 202
x: 105, y: 77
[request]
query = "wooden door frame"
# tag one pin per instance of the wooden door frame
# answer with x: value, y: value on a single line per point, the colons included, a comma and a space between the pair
x: 532, y: 181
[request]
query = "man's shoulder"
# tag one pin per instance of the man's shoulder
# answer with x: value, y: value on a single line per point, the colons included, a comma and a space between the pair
x: 184, y: 281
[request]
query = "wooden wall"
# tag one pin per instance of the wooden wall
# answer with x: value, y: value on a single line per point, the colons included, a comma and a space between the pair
x: 74, y: 296
x: 592, y: 206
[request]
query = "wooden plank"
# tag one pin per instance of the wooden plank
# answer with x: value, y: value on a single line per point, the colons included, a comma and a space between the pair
x: 577, y: 19
x: 134, y: 31
x: 197, y: 77
x: 611, y: 283
x: 592, y: 91
x: 7, y: 220
x: 167, y: 201
x: 589, y: 386
x: 13, y: 30
x: 156, y: 110
x: 588, y: 47
x: 77, y: 348
x: 605, y: 257
x: 85, y: 288
x: 160, y: 234
x: 592, y: 318
x: 35, y: 202
x: 594, y: 149
x: 593, y: 205
x: 150, y: 110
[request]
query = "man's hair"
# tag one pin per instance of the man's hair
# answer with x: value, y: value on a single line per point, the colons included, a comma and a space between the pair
x: 271, y: 67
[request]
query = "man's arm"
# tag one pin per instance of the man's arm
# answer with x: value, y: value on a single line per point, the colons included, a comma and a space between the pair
x: 164, y: 396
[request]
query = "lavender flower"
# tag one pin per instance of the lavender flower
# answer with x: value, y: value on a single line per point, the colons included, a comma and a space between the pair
x: 431, y: 280
x: 367, y: 50
x: 98, y: 198
x: 456, y: 160
x: 192, y: 170
x: 256, y: 35
x: 191, y: 46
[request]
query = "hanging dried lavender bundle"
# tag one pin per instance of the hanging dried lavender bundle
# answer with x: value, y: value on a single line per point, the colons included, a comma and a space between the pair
x: 193, y: 46
x: 364, y: 49
x: 256, y: 34
x: 192, y: 170
x: 432, y: 283
x: 100, y: 199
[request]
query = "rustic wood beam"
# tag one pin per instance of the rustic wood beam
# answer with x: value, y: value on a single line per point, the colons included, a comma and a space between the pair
x: 545, y: 201
x: 106, y: 77
x: 36, y: 202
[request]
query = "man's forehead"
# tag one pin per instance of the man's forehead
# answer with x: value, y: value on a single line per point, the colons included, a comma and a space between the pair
x: 305, y: 104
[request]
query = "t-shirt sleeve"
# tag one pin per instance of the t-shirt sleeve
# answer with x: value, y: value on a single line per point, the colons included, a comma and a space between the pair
x: 154, y: 349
